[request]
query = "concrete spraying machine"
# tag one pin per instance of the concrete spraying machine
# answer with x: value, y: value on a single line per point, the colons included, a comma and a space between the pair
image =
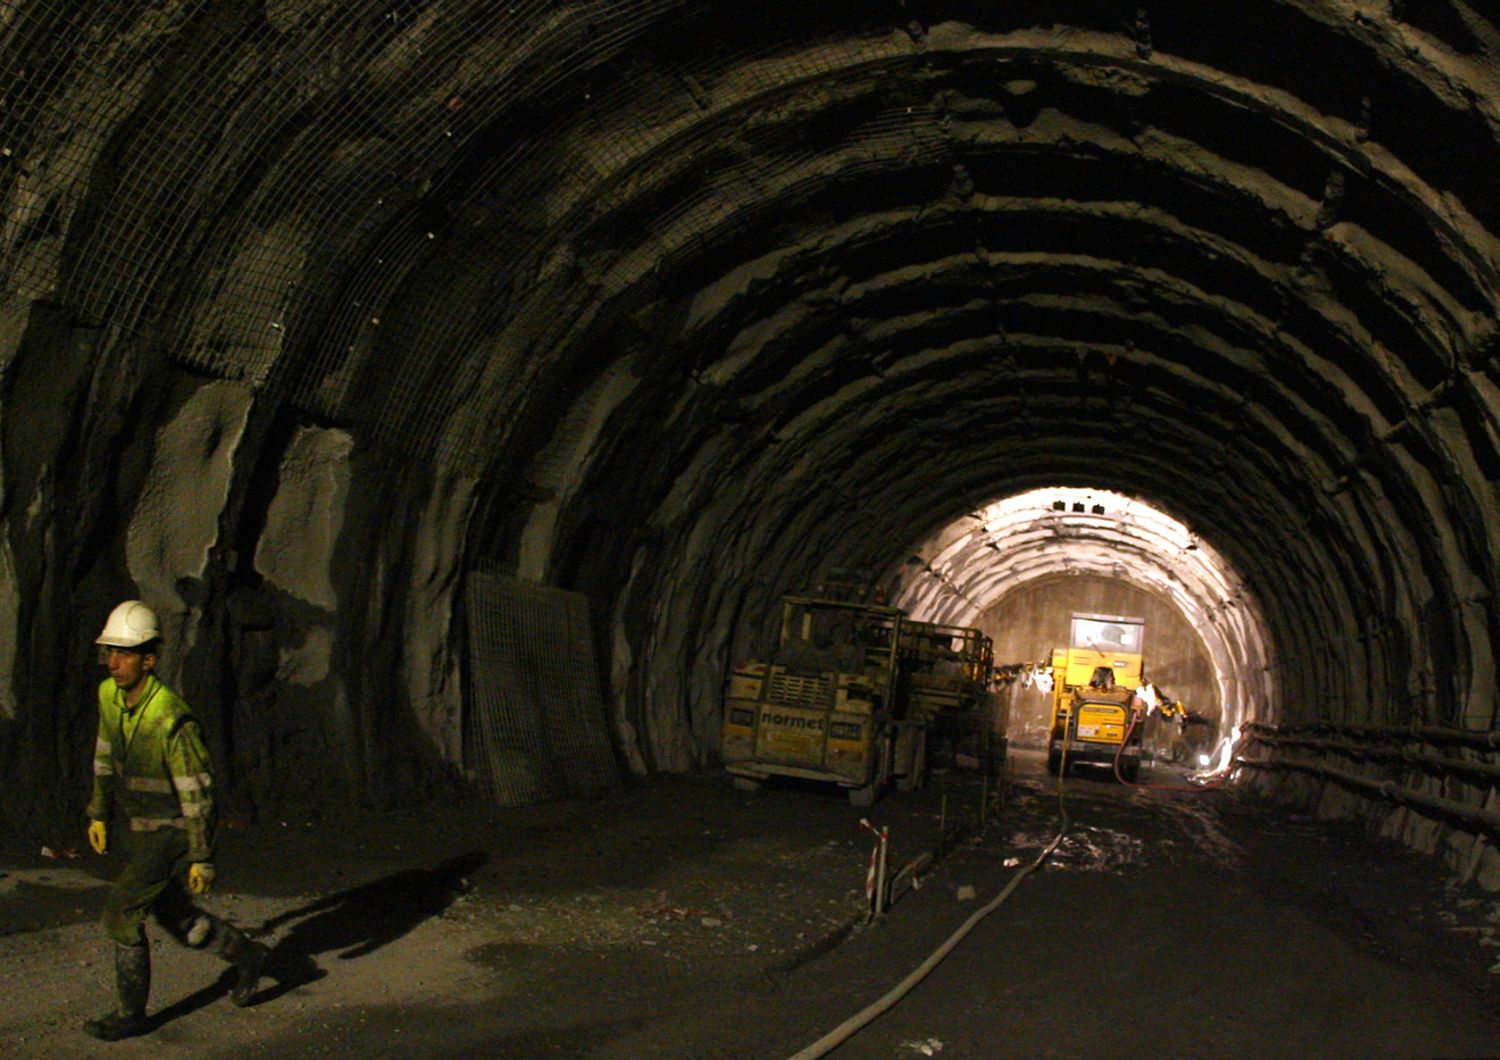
x: 1095, y: 712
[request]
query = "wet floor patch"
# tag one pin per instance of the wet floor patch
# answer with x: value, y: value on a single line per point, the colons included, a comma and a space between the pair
x: 1088, y: 848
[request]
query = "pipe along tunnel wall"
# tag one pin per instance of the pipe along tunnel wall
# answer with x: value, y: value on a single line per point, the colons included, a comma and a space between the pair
x: 309, y: 308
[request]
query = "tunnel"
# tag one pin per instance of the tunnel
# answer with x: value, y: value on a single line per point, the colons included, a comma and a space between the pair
x: 357, y: 338
x: 1021, y: 568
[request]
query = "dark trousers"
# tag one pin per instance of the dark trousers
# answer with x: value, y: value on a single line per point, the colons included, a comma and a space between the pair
x: 155, y: 882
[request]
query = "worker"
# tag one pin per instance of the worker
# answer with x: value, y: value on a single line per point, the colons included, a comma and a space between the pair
x: 151, y: 763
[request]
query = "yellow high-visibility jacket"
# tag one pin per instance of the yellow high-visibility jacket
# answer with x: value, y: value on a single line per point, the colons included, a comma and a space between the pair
x: 150, y: 760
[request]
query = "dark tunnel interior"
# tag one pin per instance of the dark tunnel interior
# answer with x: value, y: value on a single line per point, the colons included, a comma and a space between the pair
x: 326, y: 326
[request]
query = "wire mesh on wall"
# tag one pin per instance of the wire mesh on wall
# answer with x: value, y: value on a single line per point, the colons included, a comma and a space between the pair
x: 536, y: 728
x: 264, y: 180
x: 228, y: 162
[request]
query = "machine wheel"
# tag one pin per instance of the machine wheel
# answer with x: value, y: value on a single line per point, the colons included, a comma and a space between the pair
x: 1054, y: 758
x: 747, y: 784
x: 866, y: 795
x: 1131, y: 770
x: 913, y: 780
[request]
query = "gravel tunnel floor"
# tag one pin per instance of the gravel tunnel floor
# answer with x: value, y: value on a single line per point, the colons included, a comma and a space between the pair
x: 683, y: 918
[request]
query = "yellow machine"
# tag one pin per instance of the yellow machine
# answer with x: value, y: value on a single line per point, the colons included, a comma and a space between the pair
x: 948, y: 671
x: 1093, y: 694
x: 849, y: 696
x: 949, y: 666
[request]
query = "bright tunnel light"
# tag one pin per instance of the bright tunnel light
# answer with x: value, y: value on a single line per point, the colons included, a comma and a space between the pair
x: 962, y: 571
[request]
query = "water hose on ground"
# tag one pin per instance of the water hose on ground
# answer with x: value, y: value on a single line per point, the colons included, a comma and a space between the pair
x: 1119, y: 776
x: 844, y: 1031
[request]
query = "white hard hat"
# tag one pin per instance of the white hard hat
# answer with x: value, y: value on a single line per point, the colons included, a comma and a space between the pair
x: 130, y: 625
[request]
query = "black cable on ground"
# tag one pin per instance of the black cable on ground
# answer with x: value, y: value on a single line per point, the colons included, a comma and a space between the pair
x: 840, y: 1034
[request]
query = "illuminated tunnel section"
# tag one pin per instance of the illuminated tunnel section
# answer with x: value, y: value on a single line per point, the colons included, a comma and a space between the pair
x: 966, y: 572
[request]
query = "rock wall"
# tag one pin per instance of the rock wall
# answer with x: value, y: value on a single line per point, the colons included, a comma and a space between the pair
x: 306, y: 588
x: 1472, y: 856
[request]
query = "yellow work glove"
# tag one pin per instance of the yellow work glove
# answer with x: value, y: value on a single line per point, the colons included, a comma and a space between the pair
x: 200, y: 877
x: 98, y: 836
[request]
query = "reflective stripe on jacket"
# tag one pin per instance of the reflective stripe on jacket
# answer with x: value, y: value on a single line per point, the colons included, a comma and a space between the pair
x: 151, y: 761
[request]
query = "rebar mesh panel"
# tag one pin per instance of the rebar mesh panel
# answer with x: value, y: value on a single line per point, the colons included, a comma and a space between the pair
x: 537, y: 727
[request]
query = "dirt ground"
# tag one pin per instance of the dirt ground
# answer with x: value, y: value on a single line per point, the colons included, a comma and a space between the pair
x: 683, y: 918
x: 550, y: 919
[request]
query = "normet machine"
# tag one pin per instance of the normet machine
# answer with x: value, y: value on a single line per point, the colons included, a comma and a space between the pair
x: 851, y: 695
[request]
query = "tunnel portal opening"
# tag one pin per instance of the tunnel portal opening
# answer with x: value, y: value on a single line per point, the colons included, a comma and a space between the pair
x: 1019, y: 567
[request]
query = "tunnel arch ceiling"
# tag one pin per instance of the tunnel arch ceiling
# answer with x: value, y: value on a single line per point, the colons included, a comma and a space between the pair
x: 683, y: 303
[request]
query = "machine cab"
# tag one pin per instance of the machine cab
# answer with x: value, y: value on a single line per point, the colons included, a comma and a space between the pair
x: 1112, y: 641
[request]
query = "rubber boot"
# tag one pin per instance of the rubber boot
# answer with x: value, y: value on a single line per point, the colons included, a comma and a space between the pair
x: 249, y: 959
x: 133, y: 985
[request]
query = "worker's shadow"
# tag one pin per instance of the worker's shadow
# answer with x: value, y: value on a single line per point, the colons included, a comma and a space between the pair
x: 359, y: 921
